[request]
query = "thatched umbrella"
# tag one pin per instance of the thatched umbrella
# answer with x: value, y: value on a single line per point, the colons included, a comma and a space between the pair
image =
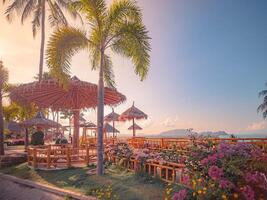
x: 112, y: 117
x: 14, y: 127
x: 40, y: 121
x: 78, y: 95
x: 131, y: 114
x: 135, y: 127
x: 109, y: 129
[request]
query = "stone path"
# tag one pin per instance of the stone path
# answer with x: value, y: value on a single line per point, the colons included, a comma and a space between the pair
x: 13, y: 191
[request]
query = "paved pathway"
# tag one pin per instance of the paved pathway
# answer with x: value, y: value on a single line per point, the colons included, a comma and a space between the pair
x: 13, y: 191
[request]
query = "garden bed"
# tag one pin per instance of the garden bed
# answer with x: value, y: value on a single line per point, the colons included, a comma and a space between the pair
x: 125, y: 185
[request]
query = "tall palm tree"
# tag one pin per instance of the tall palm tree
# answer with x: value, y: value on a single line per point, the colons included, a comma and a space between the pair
x: 263, y: 106
x: 3, y: 86
x: 119, y: 29
x: 38, y: 9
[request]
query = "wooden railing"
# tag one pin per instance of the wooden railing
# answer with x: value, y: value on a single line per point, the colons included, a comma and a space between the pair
x: 167, y: 171
x: 60, y: 156
x: 182, y: 143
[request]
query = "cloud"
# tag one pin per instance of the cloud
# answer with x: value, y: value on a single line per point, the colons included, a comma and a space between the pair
x: 255, y: 126
x: 170, y: 121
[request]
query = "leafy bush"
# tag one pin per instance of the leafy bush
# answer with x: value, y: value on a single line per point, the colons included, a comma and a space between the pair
x: 228, y: 171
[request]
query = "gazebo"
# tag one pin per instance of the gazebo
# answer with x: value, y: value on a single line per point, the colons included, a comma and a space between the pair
x: 78, y: 95
x: 132, y: 113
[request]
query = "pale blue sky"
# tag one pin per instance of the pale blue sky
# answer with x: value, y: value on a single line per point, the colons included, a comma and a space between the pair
x: 208, y: 63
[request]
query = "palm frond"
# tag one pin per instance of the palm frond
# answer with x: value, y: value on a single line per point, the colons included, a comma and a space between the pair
x: 262, y: 93
x: 3, y: 76
x: 94, y: 11
x: 36, y: 18
x: 16, y: 6
x: 94, y: 57
x: 62, y: 45
x: 109, y: 77
x: 132, y: 41
x: 66, y: 5
x: 122, y: 10
x: 56, y: 17
x: 29, y: 7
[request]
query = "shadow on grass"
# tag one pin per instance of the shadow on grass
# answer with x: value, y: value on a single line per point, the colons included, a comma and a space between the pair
x: 127, y: 185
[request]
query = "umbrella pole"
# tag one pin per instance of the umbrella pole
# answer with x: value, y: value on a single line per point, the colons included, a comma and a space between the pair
x: 113, y: 128
x: 76, y: 128
x: 133, y: 129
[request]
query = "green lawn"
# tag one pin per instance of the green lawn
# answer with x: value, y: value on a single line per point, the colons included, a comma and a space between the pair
x: 126, y: 185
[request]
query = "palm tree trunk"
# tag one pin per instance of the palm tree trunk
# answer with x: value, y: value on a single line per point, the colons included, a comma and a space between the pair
x: 76, y: 116
x: 100, y: 119
x: 41, y: 61
x: 133, y: 129
x: 2, y: 151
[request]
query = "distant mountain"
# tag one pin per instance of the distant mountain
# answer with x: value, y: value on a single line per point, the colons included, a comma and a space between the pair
x: 214, y: 134
x: 174, y: 133
x: 186, y: 133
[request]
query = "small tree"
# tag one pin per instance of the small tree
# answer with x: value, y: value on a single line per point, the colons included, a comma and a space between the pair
x: 263, y: 106
x: 3, y: 86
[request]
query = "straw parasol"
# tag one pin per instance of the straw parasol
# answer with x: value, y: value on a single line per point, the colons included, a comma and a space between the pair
x: 14, y: 127
x: 112, y: 117
x: 109, y: 129
x: 40, y: 121
x: 78, y: 95
x: 135, y: 127
x: 132, y: 113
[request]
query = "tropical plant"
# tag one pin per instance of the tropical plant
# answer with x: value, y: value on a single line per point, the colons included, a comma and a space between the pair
x: 228, y: 171
x: 3, y: 86
x: 263, y: 106
x: 17, y: 112
x: 37, y: 9
x: 119, y: 29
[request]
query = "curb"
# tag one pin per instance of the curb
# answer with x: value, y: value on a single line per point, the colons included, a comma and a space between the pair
x: 47, y: 188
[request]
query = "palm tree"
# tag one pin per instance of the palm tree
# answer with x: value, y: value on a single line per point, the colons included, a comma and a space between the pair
x: 119, y: 29
x: 38, y: 9
x: 263, y: 106
x: 3, y: 86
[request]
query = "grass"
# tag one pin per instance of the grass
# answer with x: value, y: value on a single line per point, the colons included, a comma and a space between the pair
x: 126, y: 185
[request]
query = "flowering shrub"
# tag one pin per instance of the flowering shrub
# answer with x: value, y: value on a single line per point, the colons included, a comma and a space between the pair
x: 103, y: 193
x: 120, y: 150
x: 228, y: 171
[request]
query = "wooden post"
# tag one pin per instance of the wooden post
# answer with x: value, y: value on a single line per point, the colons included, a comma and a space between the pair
x: 26, y: 142
x: 173, y: 175
x: 87, y: 156
x: 162, y: 143
x: 48, y: 156
x: 68, y: 158
x: 34, y: 158
x: 29, y: 155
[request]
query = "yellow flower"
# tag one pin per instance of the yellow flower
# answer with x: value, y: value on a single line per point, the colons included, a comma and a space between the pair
x: 235, y: 195
x: 194, y: 194
x: 204, y: 188
x: 224, y: 196
x: 199, y: 180
x: 168, y: 192
x: 199, y: 191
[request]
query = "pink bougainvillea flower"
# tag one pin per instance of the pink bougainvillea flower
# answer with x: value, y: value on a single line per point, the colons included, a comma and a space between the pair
x: 215, y: 172
x: 181, y: 195
x: 248, y: 193
x: 225, y: 184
